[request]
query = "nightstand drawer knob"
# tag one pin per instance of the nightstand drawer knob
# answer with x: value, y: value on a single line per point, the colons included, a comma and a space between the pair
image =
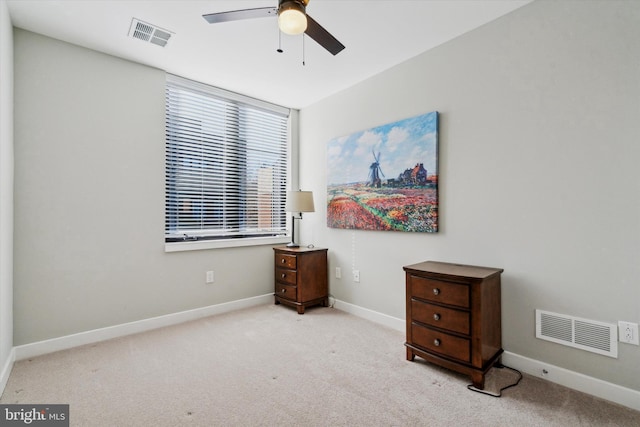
x: 436, y: 316
x: 284, y: 275
x: 283, y: 261
x: 436, y: 291
x: 283, y: 291
x: 436, y: 342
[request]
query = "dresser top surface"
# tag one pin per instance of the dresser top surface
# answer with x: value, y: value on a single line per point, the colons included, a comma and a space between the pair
x: 301, y: 249
x: 450, y: 269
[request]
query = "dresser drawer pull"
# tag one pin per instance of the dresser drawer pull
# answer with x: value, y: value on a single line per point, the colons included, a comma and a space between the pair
x: 436, y: 342
x: 283, y: 291
x: 284, y: 275
x: 436, y: 316
x: 283, y: 261
x: 436, y: 291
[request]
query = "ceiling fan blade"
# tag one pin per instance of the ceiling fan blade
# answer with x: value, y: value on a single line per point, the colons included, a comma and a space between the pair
x: 323, y: 37
x: 236, y: 15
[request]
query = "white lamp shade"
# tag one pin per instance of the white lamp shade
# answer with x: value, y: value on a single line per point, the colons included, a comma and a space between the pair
x: 292, y: 21
x: 299, y: 201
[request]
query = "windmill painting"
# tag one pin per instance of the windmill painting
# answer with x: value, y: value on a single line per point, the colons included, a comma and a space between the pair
x: 385, y: 178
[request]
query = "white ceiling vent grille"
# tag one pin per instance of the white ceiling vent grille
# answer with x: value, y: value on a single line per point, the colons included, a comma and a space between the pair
x: 589, y: 335
x: 149, y: 33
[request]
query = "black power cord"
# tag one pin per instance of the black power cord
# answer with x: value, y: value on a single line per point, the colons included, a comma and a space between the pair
x: 499, y: 394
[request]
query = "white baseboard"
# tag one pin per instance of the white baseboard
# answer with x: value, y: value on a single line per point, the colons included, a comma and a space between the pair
x: 62, y: 343
x: 374, y: 316
x: 574, y: 380
x: 6, y: 370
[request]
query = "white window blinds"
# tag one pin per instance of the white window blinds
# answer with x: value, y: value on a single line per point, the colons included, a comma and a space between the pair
x: 226, y: 164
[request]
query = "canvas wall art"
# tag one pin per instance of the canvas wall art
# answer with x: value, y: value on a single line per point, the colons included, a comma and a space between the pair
x: 385, y: 178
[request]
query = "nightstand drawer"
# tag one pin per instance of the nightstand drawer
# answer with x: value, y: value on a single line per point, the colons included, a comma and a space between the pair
x: 287, y: 276
x: 286, y: 261
x: 440, y: 317
x: 440, y: 292
x: 439, y: 342
x: 286, y: 291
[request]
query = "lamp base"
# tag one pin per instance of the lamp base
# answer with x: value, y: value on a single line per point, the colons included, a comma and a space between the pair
x: 293, y: 245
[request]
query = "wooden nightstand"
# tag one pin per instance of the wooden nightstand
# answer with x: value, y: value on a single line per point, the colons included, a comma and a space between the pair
x: 301, y: 277
x: 453, y: 317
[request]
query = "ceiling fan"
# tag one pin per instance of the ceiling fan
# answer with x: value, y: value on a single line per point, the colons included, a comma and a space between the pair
x: 292, y: 19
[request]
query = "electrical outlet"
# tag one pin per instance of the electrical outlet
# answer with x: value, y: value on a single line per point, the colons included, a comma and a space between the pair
x: 356, y: 275
x: 628, y: 333
x: 210, y: 277
x: 338, y: 273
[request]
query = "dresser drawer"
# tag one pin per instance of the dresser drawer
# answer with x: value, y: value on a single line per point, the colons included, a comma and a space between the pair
x: 439, y: 342
x: 439, y: 291
x: 286, y: 291
x: 440, y: 317
x: 286, y: 261
x: 286, y: 276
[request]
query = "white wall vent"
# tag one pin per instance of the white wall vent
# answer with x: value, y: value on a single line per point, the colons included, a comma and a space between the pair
x: 149, y: 33
x: 589, y: 335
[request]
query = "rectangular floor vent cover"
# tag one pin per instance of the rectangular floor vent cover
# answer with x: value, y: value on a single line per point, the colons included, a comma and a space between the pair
x: 149, y: 33
x: 589, y: 335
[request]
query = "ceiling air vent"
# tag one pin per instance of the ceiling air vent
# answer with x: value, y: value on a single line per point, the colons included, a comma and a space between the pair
x: 149, y: 33
x: 589, y: 335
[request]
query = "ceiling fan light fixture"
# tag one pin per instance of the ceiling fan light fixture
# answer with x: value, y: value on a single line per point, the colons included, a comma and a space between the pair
x: 292, y: 18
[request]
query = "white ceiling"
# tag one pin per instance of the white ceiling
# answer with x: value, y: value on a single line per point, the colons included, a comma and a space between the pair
x: 241, y: 56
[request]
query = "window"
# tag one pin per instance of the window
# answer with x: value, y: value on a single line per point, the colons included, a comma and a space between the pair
x: 226, y: 165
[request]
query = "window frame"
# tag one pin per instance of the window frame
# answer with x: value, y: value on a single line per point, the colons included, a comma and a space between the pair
x: 227, y: 242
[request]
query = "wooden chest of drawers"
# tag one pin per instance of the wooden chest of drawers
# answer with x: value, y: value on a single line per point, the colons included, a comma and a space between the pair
x: 453, y: 316
x: 301, y: 277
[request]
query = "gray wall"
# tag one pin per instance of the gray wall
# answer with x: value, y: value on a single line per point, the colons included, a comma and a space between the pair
x: 89, y: 200
x: 540, y: 120
x: 6, y: 187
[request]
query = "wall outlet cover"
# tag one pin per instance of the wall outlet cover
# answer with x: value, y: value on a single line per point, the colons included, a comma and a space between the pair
x: 210, y: 277
x: 628, y: 333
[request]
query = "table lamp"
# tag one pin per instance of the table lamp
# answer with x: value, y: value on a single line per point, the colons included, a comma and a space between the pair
x: 298, y: 202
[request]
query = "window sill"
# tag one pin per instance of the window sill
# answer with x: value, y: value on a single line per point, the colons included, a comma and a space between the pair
x: 218, y: 244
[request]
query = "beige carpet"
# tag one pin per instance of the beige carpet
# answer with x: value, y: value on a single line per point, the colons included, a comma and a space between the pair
x: 269, y: 366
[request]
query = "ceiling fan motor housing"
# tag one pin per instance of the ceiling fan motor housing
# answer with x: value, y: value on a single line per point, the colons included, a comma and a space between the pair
x: 302, y: 2
x: 296, y: 5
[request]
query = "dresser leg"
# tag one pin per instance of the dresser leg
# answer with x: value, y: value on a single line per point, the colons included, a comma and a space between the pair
x: 477, y: 378
x: 410, y: 355
x: 301, y: 309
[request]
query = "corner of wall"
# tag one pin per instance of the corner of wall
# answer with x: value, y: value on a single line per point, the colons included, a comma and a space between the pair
x: 7, y: 354
x: 6, y: 370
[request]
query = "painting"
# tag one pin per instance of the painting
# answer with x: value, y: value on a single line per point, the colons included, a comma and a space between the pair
x: 385, y: 178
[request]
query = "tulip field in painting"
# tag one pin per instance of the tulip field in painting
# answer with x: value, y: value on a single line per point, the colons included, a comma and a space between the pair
x: 385, y: 178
